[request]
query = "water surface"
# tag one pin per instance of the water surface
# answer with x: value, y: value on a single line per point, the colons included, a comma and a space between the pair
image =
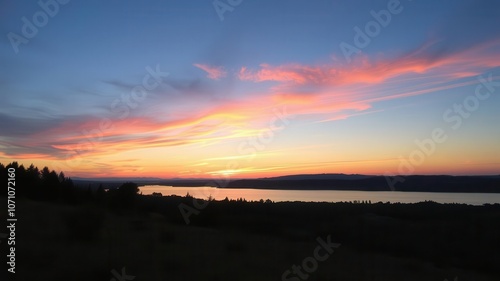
x: 324, y: 195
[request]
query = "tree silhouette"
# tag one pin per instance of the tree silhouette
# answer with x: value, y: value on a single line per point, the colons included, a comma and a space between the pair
x: 125, y: 196
x: 39, y: 185
x: 129, y: 189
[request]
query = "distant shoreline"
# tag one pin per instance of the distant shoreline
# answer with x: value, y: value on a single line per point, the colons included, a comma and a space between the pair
x: 455, y: 184
x: 315, y: 189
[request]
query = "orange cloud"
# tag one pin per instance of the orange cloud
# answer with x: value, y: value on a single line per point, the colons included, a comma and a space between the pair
x: 85, y: 138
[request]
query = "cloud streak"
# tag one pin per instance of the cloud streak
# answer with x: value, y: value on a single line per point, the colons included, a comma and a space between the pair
x: 461, y: 64
x: 336, y: 91
x: 213, y: 72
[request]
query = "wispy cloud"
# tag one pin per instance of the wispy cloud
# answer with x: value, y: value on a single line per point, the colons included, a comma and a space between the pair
x: 336, y: 91
x: 364, y: 70
x: 213, y: 72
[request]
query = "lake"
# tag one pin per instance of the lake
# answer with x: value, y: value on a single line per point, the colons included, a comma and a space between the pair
x: 323, y: 195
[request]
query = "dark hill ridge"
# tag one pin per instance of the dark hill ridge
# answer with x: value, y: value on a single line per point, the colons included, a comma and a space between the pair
x: 418, y: 183
x: 469, y: 184
x: 320, y: 177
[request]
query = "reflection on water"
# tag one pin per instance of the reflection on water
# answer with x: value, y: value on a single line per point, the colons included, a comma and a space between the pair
x: 323, y: 195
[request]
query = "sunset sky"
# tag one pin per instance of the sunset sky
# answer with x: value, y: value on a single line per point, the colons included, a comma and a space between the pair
x: 194, y: 89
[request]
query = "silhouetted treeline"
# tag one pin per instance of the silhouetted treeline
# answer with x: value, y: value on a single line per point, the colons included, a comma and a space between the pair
x: 39, y: 184
x: 49, y: 185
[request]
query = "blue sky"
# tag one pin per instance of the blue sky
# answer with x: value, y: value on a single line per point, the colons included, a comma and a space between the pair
x: 227, y: 79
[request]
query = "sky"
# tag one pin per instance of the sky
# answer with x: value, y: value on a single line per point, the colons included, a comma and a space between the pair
x: 244, y: 89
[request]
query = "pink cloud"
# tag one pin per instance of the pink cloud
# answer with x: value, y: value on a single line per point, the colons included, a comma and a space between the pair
x: 461, y: 64
x: 331, y: 91
x: 213, y: 72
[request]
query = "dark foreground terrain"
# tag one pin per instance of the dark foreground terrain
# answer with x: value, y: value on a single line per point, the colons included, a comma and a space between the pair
x: 148, y: 239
